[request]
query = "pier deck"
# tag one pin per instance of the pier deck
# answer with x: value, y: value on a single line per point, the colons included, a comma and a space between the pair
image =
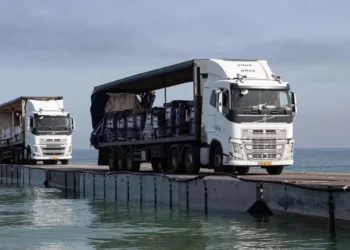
x: 319, y: 195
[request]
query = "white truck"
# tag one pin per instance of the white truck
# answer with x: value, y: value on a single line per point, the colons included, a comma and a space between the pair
x: 35, y: 129
x: 242, y: 117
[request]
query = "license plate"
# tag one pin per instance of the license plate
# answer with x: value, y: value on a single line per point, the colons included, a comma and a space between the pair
x: 53, y: 158
x: 265, y: 163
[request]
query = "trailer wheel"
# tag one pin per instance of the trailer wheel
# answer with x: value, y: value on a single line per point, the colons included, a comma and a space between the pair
x: 112, y: 159
x: 131, y: 165
x: 215, y: 156
x: 120, y: 159
x: 190, y: 159
x: 174, y: 160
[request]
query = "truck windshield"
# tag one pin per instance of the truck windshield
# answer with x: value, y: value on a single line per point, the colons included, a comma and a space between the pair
x: 51, y: 123
x: 254, y: 97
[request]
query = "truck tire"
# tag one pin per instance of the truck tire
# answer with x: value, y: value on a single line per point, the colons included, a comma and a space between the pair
x: 112, y: 159
x: 131, y: 165
x: 64, y: 162
x: 29, y: 157
x: 174, y: 160
x: 20, y: 156
x: 120, y: 159
x: 215, y: 156
x: 190, y: 159
x: 242, y: 170
x: 275, y: 170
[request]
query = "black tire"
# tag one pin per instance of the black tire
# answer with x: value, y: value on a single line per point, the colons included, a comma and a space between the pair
x: 112, y: 160
x: 20, y: 156
x: 64, y: 162
x: 242, y: 170
x: 174, y: 160
x: 156, y: 165
x: 120, y: 160
x: 216, y: 157
x: 190, y: 159
x: 275, y: 170
x: 29, y: 157
x: 131, y: 165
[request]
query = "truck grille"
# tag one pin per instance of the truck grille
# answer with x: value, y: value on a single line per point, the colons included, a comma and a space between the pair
x: 264, y: 144
x: 53, y: 147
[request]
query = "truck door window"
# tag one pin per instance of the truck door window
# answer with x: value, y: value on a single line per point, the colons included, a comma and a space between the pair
x: 213, y: 99
x: 224, y: 102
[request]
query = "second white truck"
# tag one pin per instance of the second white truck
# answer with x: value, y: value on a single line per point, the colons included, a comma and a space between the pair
x: 241, y: 116
x: 35, y: 129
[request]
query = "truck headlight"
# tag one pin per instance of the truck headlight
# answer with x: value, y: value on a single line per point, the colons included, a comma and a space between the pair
x: 237, y: 149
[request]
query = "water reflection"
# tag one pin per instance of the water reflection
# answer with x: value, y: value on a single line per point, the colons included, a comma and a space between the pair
x: 44, y: 219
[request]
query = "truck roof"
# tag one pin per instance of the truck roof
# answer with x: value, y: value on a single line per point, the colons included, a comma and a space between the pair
x: 155, y: 79
x: 16, y: 104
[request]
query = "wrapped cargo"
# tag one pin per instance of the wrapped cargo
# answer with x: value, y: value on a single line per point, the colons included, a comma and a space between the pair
x: 190, y: 117
x: 158, y: 118
x: 131, y: 131
x: 174, y: 117
x: 121, y: 125
x: 148, y: 128
x: 140, y: 122
x: 109, y: 131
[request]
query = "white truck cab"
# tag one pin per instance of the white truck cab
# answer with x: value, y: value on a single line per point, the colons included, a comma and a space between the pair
x: 48, y: 131
x: 39, y: 129
x: 247, y: 115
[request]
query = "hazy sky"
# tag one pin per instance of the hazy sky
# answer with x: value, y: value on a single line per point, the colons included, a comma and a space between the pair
x: 67, y: 47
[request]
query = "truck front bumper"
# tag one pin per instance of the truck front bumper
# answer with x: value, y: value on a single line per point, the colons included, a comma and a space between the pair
x: 260, y: 163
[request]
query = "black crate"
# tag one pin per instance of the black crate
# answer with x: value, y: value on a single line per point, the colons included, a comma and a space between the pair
x: 140, y: 116
x: 147, y: 132
x: 109, y: 131
x: 121, y: 125
x: 175, y: 117
x: 191, y: 117
x: 158, y: 118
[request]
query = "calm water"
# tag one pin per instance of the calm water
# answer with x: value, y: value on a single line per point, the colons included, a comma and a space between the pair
x: 43, y: 219
x: 312, y: 160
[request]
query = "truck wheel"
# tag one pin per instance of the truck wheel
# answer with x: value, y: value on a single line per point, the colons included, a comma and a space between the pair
x: 131, y: 165
x: 29, y: 157
x: 64, y: 162
x: 190, y: 159
x: 120, y: 160
x: 174, y: 160
x: 112, y: 160
x: 215, y: 156
x: 242, y: 170
x: 156, y: 165
x: 275, y: 170
x: 20, y: 156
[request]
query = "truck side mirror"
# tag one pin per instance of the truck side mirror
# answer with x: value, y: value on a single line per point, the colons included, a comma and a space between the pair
x: 294, y: 104
x: 72, y: 124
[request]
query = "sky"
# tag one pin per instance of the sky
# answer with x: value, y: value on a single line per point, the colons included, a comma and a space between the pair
x: 62, y: 47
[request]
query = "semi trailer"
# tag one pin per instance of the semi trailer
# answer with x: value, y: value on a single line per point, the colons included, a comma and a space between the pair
x: 241, y: 116
x: 35, y: 129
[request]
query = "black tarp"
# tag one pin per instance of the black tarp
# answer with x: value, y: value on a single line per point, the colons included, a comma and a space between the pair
x: 97, y: 109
